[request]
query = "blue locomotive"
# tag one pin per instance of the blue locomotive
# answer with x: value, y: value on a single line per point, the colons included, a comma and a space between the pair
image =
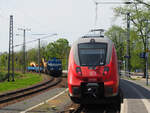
x: 54, y: 67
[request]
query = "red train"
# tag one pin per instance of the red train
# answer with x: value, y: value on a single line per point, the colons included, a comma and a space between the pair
x: 93, y: 75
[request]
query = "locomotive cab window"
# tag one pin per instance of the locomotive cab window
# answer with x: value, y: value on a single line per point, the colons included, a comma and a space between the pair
x: 92, y: 54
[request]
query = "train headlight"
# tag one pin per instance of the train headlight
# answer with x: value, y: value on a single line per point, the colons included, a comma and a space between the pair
x: 106, y: 70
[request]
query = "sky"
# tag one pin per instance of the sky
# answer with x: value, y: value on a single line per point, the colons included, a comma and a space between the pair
x: 70, y: 19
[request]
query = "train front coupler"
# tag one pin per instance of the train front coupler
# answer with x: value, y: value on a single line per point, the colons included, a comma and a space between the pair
x: 92, y: 90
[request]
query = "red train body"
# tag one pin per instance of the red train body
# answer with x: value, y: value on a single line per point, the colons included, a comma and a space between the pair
x: 93, y: 75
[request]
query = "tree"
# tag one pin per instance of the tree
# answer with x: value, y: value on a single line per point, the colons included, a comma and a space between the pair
x: 117, y: 35
x: 3, y: 60
x: 138, y: 16
x: 136, y: 47
x: 32, y: 55
x: 58, y: 49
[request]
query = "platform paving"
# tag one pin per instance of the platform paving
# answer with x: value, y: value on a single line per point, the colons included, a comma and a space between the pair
x: 53, y: 106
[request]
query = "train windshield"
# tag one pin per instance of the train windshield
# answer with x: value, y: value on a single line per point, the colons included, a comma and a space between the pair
x: 92, y: 54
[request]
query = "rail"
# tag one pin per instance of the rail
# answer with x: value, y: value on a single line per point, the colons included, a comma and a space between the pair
x: 7, y: 97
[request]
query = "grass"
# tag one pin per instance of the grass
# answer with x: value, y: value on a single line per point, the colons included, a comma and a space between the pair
x: 132, y: 79
x: 21, y: 81
x: 2, y: 74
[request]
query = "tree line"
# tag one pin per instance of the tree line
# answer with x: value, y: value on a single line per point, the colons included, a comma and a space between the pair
x: 59, y: 49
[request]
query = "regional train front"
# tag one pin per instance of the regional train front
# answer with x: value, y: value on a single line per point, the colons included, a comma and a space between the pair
x: 93, y: 71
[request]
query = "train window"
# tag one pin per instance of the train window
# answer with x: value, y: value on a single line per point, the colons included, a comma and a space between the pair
x: 92, y: 54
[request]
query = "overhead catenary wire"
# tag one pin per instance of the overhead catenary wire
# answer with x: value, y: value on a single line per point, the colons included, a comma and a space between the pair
x: 114, y: 2
x: 129, y: 2
x: 96, y: 7
x: 39, y: 34
x: 37, y: 39
x: 141, y: 2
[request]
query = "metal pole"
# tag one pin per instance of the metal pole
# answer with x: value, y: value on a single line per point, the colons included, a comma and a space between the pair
x: 0, y: 64
x: 9, y: 61
x: 146, y: 57
x: 24, y: 46
x: 39, y: 56
x: 128, y: 44
x: 147, y: 68
x: 96, y: 9
x: 24, y: 56
x: 10, y: 49
x: 12, y: 54
x: 67, y: 58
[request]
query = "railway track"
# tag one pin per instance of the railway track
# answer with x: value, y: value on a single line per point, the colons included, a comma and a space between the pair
x: 92, y: 108
x: 79, y: 109
x: 8, y: 97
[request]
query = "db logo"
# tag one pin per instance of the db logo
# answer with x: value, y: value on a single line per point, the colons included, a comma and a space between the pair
x: 92, y: 73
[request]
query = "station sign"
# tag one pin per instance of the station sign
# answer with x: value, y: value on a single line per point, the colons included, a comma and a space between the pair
x: 142, y: 55
x: 127, y: 56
